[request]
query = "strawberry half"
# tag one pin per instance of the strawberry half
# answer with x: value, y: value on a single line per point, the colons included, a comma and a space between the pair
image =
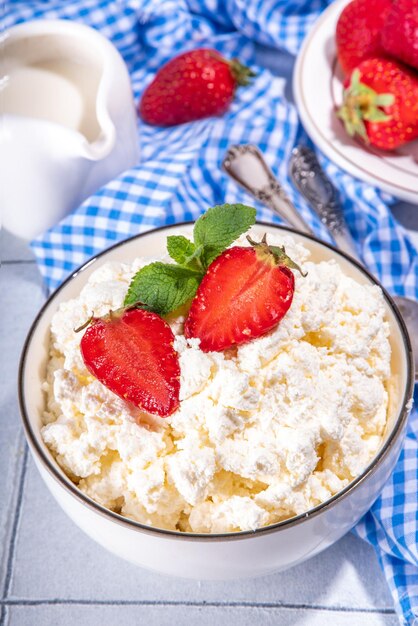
x: 132, y: 354
x: 244, y: 294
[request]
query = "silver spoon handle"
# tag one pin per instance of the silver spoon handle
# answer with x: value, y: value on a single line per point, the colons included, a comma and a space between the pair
x: 246, y: 165
x: 313, y: 184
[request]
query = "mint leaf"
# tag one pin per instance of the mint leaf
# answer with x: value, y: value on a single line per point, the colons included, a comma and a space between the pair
x: 185, y: 253
x: 216, y: 229
x: 162, y: 287
x: 181, y: 249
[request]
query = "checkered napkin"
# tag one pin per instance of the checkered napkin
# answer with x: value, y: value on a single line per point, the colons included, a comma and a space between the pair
x: 179, y: 176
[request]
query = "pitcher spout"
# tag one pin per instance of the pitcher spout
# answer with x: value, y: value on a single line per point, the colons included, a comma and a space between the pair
x: 70, y: 121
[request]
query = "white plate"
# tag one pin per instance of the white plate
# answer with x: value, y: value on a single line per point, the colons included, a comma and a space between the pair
x: 317, y: 87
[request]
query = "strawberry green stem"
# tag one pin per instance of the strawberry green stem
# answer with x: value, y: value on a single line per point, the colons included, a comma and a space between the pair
x: 361, y: 103
x: 85, y: 324
x: 241, y: 73
x: 276, y: 254
x: 112, y: 314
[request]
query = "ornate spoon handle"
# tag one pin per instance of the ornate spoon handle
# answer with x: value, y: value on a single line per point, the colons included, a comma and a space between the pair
x: 313, y: 184
x: 246, y: 165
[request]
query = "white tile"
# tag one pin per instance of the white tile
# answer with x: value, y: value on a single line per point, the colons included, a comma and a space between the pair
x: 13, y: 248
x: 21, y: 297
x: 11, y: 456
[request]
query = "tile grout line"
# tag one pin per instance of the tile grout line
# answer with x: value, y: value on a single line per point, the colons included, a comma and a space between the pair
x: 13, y: 536
x: 18, y: 262
x: 202, y: 604
x: 8, y: 532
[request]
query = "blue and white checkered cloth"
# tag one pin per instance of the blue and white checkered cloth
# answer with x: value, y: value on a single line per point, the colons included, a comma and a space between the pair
x: 179, y: 176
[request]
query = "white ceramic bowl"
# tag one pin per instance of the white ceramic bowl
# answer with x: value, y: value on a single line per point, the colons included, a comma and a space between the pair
x: 233, y: 555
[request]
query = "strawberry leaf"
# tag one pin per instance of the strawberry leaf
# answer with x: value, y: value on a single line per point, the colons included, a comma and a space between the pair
x: 376, y: 115
x: 220, y: 226
x: 162, y: 287
x: 384, y: 99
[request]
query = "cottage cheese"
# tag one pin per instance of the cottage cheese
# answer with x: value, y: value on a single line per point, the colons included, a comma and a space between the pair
x: 262, y: 434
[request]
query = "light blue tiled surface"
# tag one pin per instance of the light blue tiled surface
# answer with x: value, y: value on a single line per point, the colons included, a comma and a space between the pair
x: 21, y: 295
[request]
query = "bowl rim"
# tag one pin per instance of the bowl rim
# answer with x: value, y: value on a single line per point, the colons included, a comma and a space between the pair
x: 74, y: 491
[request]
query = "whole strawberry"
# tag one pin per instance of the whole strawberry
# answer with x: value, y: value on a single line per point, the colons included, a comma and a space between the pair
x: 131, y: 353
x: 381, y: 103
x: 400, y: 32
x: 358, y: 31
x: 244, y: 294
x: 193, y: 85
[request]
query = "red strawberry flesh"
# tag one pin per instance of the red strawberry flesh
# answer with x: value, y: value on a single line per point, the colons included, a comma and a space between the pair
x: 243, y: 295
x: 132, y: 354
x: 358, y: 31
x: 399, y: 35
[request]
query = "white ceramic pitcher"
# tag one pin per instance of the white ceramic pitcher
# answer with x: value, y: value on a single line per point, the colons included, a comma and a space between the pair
x: 69, y: 122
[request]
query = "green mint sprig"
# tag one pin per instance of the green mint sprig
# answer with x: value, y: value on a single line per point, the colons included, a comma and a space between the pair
x: 164, y: 287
